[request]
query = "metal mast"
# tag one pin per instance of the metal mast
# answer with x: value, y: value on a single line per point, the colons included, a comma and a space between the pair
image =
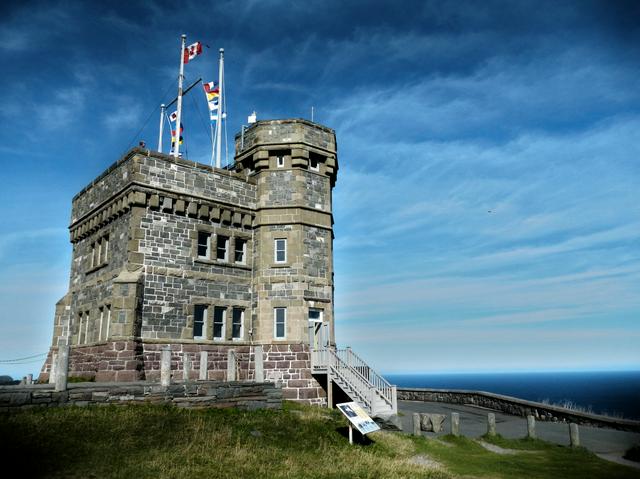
x: 176, y: 140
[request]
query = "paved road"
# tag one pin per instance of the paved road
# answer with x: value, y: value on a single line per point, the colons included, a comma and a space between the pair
x: 607, y: 443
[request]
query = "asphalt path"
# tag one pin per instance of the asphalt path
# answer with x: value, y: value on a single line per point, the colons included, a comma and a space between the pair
x: 607, y: 443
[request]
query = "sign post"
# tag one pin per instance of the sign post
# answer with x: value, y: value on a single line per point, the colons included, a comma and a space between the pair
x: 357, y: 417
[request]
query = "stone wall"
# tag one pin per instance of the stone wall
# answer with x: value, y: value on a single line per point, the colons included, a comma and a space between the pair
x: 287, y: 131
x: 201, y: 394
x: 286, y: 365
x: 196, y: 180
x: 515, y: 407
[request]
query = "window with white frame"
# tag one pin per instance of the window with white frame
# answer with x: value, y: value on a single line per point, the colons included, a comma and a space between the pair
x: 81, y: 320
x: 315, y: 315
x: 204, y: 244
x: 222, y: 248
x: 199, y: 321
x: 280, y: 161
x: 105, y: 249
x: 314, y: 164
x: 219, y: 316
x: 240, y: 251
x: 280, y: 250
x: 237, y: 324
x: 100, y: 322
x: 99, y: 252
x: 279, y: 323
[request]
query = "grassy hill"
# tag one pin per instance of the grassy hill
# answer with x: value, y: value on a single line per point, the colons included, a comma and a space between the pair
x: 297, y: 442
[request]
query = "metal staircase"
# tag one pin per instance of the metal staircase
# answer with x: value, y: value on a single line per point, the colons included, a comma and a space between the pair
x: 361, y: 383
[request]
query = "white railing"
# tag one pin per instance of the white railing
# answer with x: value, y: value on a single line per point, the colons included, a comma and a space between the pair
x: 363, y: 381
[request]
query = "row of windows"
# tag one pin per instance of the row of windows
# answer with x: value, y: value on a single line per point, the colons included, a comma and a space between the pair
x: 205, y: 249
x: 314, y: 163
x: 202, y: 315
x: 201, y: 318
x: 99, y: 252
x: 222, y: 248
x: 92, y: 329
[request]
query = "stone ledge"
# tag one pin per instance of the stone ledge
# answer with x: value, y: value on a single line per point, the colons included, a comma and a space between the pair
x: 197, y: 394
x: 515, y: 407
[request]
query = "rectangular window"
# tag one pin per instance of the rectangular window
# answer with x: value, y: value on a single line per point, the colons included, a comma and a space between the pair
x: 94, y: 260
x: 315, y: 315
x: 313, y: 163
x: 105, y: 250
x: 204, y: 245
x: 80, y: 328
x: 222, y: 248
x: 279, y: 323
x: 280, y: 250
x: 86, y: 327
x: 219, y: 315
x: 199, y: 321
x: 280, y: 161
x: 99, y: 252
x: 237, y: 323
x: 106, y: 334
x: 240, y: 251
x: 101, y: 323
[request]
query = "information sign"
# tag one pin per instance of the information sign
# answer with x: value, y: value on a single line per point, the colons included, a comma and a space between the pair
x: 358, y: 417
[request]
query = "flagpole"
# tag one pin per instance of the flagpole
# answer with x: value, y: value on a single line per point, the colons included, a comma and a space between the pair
x: 220, y: 104
x: 163, y: 108
x: 212, y: 142
x: 176, y: 140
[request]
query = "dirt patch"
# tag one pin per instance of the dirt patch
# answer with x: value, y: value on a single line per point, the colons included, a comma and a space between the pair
x: 497, y: 449
x: 425, y: 461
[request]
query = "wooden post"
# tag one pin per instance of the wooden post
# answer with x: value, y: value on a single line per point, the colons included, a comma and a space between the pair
x: 165, y: 366
x: 394, y: 399
x: 531, y: 427
x: 491, y: 424
x: 574, y: 435
x: 62, y: 368
x: 455, y: 423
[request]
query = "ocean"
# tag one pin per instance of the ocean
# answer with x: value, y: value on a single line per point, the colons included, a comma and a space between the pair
x: 615, y: 393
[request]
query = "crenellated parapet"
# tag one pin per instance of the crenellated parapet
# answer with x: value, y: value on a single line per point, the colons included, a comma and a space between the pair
x: 141, y: 195
x: 293, y: 143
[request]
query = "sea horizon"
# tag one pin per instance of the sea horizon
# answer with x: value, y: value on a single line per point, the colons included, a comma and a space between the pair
x: 610, y: 392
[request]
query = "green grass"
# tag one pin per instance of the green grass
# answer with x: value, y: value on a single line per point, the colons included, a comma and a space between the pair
x: 297, y: 442
x: 534, y: 459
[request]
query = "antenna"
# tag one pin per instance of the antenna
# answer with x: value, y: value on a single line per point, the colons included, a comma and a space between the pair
x: 312, y: 112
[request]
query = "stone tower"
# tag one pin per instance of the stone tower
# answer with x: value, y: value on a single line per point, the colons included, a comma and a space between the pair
x: 170, y: 253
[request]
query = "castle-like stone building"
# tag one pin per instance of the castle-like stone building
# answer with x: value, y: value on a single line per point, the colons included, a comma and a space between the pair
x: 171, y: 252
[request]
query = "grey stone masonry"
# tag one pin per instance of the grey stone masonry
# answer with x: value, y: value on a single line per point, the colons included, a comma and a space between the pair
x: 192, y: 395
x: 516, y: 407
x: 207, y: 262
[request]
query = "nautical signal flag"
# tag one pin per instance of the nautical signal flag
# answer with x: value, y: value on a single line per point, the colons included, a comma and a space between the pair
x: 173, y: 118
x: 212, y: 91
x: 192, y: 51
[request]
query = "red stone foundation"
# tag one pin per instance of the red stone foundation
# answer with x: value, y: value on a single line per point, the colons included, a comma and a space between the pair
x: 287, y: 365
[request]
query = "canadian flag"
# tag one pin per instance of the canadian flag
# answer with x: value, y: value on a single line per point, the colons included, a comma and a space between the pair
x: 191, y: 51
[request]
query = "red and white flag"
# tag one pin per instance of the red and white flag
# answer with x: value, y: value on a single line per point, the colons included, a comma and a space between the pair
x: 192, y: 51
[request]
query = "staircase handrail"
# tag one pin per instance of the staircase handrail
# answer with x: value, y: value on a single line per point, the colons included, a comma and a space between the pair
x: 355, y: 381
x: 375, y: 379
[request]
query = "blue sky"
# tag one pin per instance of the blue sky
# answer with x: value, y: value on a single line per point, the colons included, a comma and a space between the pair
x: 487, y: 210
